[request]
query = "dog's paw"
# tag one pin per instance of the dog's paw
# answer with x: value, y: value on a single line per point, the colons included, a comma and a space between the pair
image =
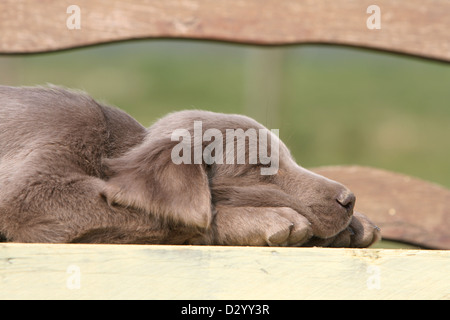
x: 259, y: 226
x: 361, y: 233
x: 289, y: 228
x: 365, y: 232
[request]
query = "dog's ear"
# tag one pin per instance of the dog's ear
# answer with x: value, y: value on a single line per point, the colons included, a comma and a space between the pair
x: 147, y: 179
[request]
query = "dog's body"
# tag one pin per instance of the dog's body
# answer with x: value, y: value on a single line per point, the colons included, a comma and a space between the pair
x: 74, y: 170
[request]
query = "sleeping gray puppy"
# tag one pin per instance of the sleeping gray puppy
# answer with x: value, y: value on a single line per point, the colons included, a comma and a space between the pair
x: 74, y: 170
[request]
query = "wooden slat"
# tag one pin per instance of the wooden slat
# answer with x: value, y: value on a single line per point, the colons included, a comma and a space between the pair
x: 42, y: 271
x: 416, y: 27
x: 405, y: 208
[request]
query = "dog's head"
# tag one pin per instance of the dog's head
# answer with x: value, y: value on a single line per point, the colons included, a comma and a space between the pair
x: 191, y: 161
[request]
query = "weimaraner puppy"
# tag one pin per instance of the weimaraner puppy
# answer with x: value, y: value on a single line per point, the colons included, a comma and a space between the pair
x: 75, y: 170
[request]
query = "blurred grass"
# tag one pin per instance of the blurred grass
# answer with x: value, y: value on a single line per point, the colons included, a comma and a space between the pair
x: 387, y: 244
x: 336, y: 105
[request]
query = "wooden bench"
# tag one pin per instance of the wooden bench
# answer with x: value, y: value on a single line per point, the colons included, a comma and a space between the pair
x: 407, y: 209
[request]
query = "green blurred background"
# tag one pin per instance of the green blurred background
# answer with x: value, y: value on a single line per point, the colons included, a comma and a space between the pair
x: 333, y: 105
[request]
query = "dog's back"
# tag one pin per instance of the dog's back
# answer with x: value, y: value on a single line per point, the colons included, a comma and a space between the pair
x: 52, y: 145
x: 68, y: 123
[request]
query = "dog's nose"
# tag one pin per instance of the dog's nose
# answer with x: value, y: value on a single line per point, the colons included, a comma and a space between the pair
x: 347, y: 200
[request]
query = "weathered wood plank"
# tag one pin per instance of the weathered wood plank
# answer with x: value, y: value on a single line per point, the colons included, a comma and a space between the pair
x: 417, y: 27
x: 405, y: 208
x: 42, y: 271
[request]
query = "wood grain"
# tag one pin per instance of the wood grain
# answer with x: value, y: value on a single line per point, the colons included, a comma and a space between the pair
x: 405, y: 208
x: 415, y: 27
x: 42, y: 271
